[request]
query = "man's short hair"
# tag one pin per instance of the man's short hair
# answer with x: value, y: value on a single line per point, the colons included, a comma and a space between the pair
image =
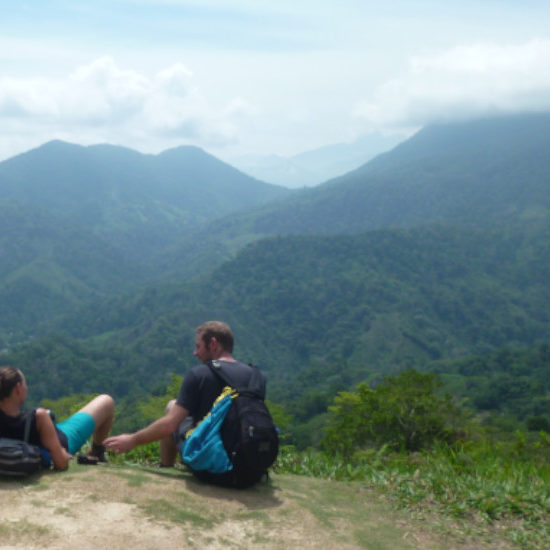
x: 218, y: 330
x: 9, y: 378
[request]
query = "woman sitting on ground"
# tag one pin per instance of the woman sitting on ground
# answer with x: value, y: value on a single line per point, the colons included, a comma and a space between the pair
x: 61, y: 440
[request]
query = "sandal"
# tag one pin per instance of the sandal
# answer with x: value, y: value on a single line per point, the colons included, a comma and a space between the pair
x: 99, y: 452
x: 87, y: 459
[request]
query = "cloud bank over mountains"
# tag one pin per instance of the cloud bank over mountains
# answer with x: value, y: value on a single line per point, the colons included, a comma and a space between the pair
x: 102, y: 99
x: 241, y: 77
x: 463, y: 82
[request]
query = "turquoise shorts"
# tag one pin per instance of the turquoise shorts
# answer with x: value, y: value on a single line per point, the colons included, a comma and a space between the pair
x: 78, y: 428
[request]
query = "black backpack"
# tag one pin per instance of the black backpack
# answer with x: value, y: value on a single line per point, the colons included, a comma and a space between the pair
x: 248, y: 434
x: 18, y: 457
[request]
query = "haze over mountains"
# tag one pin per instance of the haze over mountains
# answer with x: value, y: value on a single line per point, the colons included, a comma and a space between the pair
x: 435, y: 250
x: 313, y: 167
x: 475, y: 172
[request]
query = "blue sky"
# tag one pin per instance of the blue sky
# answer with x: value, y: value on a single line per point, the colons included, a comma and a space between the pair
x: 258, y: 77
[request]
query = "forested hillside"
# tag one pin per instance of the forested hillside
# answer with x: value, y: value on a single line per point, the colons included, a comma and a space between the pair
x: 49, y: 266
x: 479, y: 172
x: 320, y: 312
x: 435, y: 252
x: 140, y: 202
x: 79, y: 223
x: 509, y: 383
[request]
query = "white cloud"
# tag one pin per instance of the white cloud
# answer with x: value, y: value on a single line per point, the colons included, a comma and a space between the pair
x: 462, y: 82
x: 177, y: 79
x: 101, y: 102
x: 241, y: 108
x: 25, y: 98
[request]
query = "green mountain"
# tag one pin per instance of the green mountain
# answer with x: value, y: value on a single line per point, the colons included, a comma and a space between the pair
x: 514, y: 383
x: 479, y: 172
x: 50, y: 266
x: 323, y: 313
x: 438, y: 250
x: 79, y: 222
x: 139, y: 202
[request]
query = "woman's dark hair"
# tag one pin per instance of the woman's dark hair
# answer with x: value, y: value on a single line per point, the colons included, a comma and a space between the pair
x: 9, y: 378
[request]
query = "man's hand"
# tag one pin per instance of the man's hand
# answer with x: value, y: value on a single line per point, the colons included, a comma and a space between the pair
x: 154, y: 432
x: 120, y: 443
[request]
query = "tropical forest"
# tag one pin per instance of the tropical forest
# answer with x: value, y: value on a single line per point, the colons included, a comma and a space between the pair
x: 401, y: 311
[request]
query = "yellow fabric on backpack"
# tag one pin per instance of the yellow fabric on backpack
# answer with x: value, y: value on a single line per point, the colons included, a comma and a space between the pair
x: 226, y: 391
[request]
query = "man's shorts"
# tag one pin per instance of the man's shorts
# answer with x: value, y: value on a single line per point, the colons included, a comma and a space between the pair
x: 78, y: 428
x: 181, y: 432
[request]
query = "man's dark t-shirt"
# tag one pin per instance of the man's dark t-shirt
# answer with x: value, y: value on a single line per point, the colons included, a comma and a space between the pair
x: 201, y: 386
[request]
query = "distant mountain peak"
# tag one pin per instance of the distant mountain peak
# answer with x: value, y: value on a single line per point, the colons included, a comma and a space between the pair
x: 313, y: 167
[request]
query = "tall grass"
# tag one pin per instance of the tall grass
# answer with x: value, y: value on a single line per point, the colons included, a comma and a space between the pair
x: 476, y: 484
x: 148, y: 454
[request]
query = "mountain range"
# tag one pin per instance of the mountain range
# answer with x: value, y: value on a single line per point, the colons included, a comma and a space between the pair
x: 79, y: 223
x: 436, y: 250
x: 137, y: 202
x: 318, y: 165
x: 474, y: 172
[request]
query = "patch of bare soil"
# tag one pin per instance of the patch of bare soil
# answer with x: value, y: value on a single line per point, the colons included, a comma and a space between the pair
x: 108, y: 506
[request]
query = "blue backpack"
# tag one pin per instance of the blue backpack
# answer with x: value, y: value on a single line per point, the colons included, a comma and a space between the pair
x: 237, y: 441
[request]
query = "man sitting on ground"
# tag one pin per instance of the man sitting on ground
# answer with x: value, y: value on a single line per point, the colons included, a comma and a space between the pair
x: 199, y: 390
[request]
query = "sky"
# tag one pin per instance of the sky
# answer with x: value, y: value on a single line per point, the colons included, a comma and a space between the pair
x: 262, y: 77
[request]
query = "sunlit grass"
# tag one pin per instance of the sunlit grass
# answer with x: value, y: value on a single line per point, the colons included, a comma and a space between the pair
x: 475, y: 485
x: 477, y: 488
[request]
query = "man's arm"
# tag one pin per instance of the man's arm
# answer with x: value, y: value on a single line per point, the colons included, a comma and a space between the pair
x: 50, y: 440
x: 157, y: 430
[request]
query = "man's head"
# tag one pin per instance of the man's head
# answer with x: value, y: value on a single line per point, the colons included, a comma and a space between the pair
x: 10, y: 379
x: 213, y: 340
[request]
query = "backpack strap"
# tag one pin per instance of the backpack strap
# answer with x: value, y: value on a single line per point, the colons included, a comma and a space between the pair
x: 27, y: 427
x: 255, y: 383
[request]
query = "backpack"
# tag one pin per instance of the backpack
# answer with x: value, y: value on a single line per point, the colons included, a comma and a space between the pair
x: 237, y: 442
x: 18, y: 457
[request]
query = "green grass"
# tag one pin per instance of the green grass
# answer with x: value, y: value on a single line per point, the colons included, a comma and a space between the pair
x: 163, y: 510
x: 136, y: 478
x: 148, y: 454
x: 478, y: 486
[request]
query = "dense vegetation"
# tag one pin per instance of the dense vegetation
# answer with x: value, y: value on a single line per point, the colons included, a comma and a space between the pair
x: 401, y: 312
x: 432, y: 456
x: 99, y: 243
x: 81, y: 223
x: 381, y: 301
x: 180, y: 214
x: 511, y: 384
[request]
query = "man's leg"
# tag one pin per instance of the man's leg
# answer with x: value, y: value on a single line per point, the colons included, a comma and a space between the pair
x: 168, y: 449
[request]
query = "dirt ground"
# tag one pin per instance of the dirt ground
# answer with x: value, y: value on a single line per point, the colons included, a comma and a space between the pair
x: 108, y: 506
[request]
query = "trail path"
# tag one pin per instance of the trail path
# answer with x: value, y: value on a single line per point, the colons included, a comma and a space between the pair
x: 118, y: 507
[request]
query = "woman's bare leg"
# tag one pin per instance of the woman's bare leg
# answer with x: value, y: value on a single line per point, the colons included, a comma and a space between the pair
x: 102, y: 410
